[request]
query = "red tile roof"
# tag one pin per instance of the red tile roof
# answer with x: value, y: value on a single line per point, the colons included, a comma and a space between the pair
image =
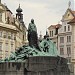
x: 55, y: 26
x: 72, y: 21
x: 73, y: 12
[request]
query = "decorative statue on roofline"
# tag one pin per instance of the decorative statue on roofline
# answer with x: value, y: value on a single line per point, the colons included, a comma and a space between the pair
x: 32, y: 34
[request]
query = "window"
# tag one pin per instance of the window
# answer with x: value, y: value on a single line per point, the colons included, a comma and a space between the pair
x: 23, y: 37
x: 8, y: 20
x: 0, y: 33
x: 0, y: 53
x: 68, y: 38
x: 0, y: 49
x: 6, y: 47
x: 68, y: 50
x: 5, y: 34
x: 68, y: 27
x: 61, y: 39
x: 69, y: 60
x: 6, y: 55
x: 0, y: 17
x: 9, y: 37
x: 19, y: 16
x: 52, y: 33
x: 12, y: 36
x: 0, y: 46
x: 64, y: 28
x: 56, y: 32
x: 61, y: 51
x: 68, y: 14
x: 11, y: 47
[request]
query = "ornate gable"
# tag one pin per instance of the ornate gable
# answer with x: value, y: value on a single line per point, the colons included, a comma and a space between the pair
x: 69, y: 14
x: 51, y: 27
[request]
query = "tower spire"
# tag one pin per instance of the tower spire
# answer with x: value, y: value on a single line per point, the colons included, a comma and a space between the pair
x: 19, y: 5
x: 69, y: 4
x: 19, y: 14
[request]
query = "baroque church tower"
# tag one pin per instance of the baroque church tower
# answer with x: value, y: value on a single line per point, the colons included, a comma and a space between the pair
x: 19, y: 14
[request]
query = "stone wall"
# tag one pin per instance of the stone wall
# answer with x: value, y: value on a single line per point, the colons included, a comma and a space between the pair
x: 12, y: 68
x: 36, y: 66
x: 47, y: 66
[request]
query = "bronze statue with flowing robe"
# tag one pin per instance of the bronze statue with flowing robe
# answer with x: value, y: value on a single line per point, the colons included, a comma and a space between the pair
x: 32, y: 34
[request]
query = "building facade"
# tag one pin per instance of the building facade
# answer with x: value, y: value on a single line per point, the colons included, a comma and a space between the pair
x: 65, y: 38
x: 21, y: 37
x: 12, y: 32
x: 72, y: 23
x: 65, y: 35
x: 53, y: 33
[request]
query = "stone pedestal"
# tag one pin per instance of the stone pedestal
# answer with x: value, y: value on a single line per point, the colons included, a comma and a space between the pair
x: 44, y: 65
x: 39, y: 65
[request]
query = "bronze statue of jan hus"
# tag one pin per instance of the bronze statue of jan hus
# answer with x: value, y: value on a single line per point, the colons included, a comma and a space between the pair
x: 32, y: 34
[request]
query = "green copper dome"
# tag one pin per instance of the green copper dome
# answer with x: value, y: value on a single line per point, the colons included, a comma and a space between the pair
x: 19, y: 9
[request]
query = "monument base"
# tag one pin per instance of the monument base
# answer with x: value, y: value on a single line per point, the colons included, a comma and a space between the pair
x: 38, y: 65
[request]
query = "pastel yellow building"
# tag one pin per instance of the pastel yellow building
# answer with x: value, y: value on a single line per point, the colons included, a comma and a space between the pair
x: 72, y: 23
x: 12, y: 31
x: 7, y: 41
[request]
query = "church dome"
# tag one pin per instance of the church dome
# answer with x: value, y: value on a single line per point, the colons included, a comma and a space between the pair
x: 19, y: 9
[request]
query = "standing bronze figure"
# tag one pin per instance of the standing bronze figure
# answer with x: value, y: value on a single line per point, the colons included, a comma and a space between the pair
x: 32, y: 34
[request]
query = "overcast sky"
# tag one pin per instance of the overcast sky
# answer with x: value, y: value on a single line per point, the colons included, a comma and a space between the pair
x: 44, y: 12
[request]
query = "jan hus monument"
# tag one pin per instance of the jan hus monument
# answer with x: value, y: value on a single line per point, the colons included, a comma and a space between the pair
x: 37, y: 58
